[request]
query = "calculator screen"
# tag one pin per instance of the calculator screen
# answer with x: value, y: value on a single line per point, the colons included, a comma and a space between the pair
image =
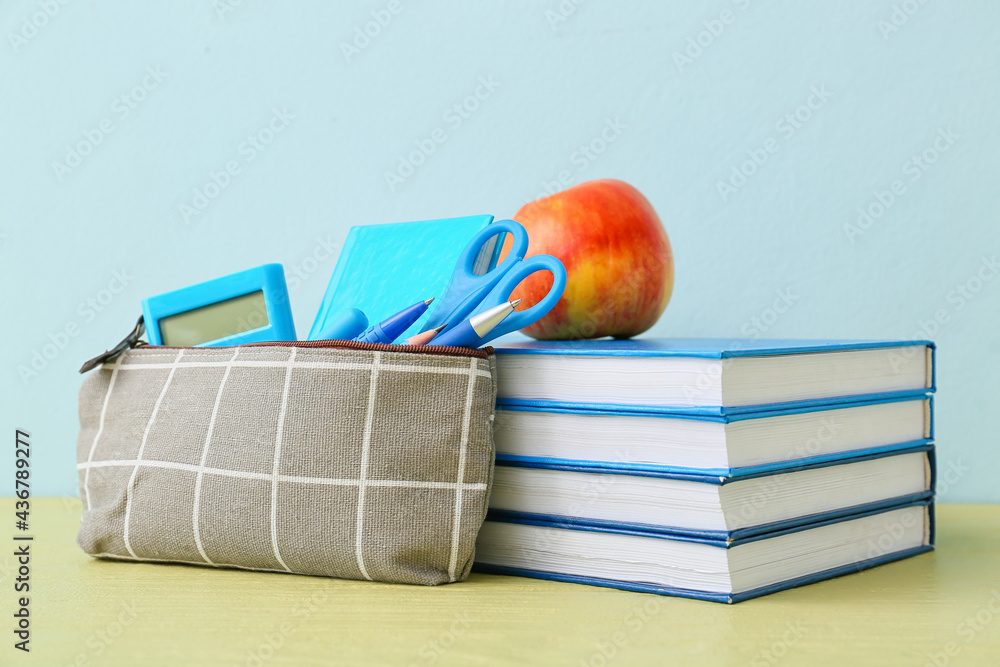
x: 214, y: 321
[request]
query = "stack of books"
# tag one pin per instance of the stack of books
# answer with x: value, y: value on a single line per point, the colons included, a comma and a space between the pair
x: 709, y: 469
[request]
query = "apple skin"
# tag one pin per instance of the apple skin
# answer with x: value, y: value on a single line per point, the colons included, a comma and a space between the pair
x: 619, y: 265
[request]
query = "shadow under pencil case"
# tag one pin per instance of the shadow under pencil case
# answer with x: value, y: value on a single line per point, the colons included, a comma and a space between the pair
x: 330, y: 458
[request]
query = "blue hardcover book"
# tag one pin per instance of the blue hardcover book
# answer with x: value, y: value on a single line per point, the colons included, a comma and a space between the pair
x: 703, y: 568
x: 730, y: 507
x: 710, y: 376
x: 717, y: 445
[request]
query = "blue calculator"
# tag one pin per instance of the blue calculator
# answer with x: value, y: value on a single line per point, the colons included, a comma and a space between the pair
x: 251, y: 306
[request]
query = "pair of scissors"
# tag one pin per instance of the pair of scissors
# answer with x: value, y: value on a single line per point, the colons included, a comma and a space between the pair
x: 469, y: 294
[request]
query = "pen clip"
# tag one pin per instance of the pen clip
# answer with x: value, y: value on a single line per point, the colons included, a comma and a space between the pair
x: 127, y: 343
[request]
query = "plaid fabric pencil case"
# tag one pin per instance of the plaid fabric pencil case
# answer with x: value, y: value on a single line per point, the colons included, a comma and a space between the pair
x: 331, y: 458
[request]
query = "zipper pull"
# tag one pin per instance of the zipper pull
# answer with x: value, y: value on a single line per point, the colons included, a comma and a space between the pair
x: 130, y: 341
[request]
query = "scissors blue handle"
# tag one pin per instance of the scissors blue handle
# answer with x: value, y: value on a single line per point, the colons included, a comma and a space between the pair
x: 520, y: 270
x: 466, y: 290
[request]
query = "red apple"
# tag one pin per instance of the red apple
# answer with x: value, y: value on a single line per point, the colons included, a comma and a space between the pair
x: 620, y: 269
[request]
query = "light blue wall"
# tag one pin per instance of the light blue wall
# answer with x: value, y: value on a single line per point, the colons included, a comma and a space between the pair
x: 114, y: 220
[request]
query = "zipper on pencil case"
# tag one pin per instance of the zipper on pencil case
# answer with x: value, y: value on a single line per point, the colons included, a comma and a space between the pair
x: 132, y: 341
x: 334, y: 344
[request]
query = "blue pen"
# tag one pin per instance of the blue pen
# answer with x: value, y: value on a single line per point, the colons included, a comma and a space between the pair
x: 389, y: 329
x: 475, y: 331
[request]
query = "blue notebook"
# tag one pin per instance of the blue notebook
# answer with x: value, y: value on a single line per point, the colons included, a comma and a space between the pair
x: 717, y: 377
x: 703, y: 568
x: 720, y: 507
x: 382, y: 269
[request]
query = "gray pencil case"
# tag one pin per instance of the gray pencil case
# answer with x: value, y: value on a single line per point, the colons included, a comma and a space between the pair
x: 330, y: 458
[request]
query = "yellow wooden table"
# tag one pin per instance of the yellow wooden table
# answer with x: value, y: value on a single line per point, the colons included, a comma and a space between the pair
x: 937, y: 609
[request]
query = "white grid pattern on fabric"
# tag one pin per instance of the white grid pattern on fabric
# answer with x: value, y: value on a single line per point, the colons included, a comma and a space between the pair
x: 100, y: 427
x: 204, y: 457
x: 332, y: 365
x: 277, y: 459
x: 130, y: 489
x: 463, y: 447
x: 143, y: 559
x: 459, y: 486
x: 267, y: 477
x: 365, y: 452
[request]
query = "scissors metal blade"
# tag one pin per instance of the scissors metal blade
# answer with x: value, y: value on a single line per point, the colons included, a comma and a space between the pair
x: 467, y: 288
